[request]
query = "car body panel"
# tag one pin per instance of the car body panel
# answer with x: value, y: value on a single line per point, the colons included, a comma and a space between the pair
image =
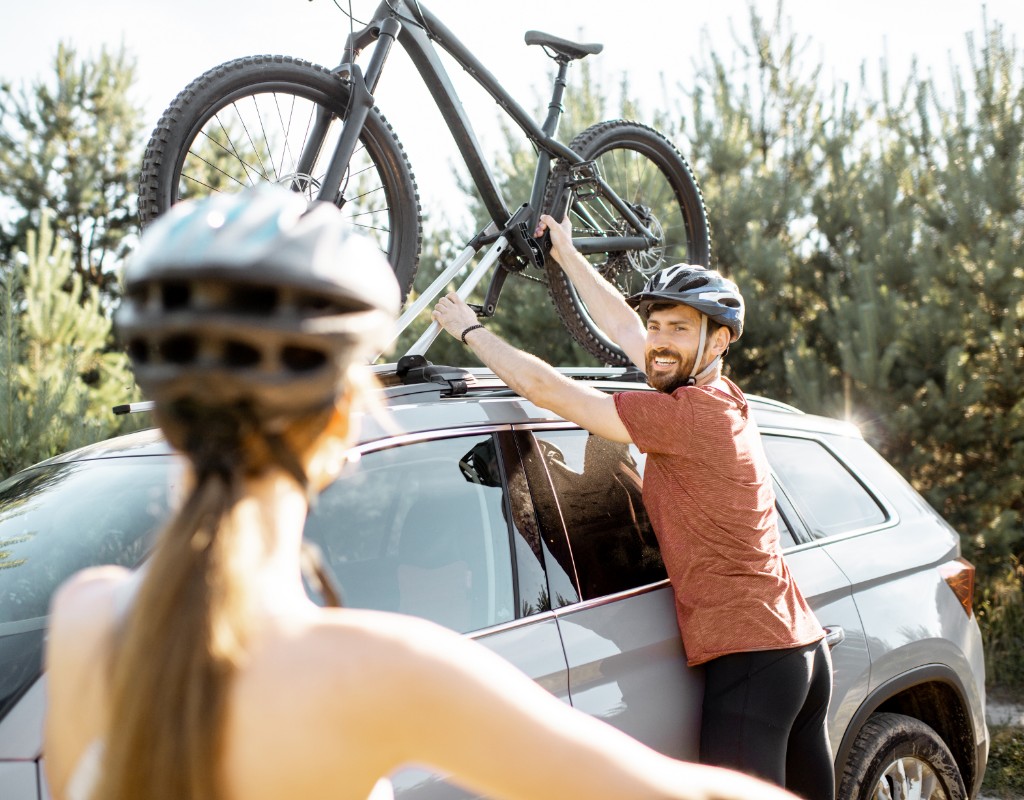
x: 829, y: 594
x: 627, y: 666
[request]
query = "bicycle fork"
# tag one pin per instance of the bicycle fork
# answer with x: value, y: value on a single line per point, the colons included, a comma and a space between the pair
x: 360, y: 102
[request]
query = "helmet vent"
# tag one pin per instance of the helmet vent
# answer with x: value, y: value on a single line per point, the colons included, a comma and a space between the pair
x: 240, y: 355
x: 180, y: 349
x: 175, y: 295
x: 302, y: 359
x: 138, y: 350
x: 253, y: 299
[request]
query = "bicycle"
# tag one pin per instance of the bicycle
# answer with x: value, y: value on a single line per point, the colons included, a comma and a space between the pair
x: 633, y: 199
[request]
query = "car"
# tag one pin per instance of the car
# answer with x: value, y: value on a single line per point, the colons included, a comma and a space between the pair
x: 470, y: 506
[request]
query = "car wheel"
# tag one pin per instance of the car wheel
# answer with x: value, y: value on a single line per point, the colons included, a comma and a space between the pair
x: 895, y: 757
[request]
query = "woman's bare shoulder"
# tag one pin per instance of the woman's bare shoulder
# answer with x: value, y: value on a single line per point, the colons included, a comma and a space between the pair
x: 78, y: 595
x: 83, y: 606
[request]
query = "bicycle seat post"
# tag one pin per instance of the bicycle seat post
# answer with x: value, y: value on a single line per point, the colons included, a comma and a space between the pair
x: 555, y: 107
x: 550, y: 127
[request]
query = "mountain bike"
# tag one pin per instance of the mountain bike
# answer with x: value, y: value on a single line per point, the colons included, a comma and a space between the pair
x: 633, y: 200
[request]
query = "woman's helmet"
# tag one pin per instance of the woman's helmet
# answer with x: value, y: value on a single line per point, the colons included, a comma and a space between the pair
x: 698, y: 287
x: 254, y: 297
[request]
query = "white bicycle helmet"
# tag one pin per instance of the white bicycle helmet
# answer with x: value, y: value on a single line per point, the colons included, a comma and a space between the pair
x: 254, y: 297
x: 701, y: 288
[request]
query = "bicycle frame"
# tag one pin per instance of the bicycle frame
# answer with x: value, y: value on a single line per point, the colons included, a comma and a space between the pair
x: 386, y: 28
x: 413, y: 26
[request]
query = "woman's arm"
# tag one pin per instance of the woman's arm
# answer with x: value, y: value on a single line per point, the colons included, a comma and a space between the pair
x: 471, y: 714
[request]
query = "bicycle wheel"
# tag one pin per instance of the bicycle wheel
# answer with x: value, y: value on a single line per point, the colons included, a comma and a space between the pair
x: 248, y: 121
x: 647, y: 171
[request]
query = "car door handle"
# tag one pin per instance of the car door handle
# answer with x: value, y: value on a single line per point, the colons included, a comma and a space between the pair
x: 834, y: 634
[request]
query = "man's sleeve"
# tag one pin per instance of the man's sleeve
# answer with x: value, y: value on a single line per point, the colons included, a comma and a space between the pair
x: 657, y: 422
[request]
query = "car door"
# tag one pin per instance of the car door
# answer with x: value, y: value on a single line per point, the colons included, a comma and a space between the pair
x: 613, y: 604
x: 802, y: 484
x: 440, y: 526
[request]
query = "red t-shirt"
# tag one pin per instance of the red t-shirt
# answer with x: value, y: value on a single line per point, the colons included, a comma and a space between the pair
x: 709, y: 495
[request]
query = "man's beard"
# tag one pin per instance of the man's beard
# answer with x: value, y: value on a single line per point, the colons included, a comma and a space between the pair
x: 668, y: 382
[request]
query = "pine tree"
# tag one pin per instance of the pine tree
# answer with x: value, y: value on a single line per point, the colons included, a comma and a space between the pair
x: 59, y: 377
x: 72, y: 145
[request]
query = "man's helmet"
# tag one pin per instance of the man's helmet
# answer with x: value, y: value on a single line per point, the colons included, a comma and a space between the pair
x: 254, y: 297
x: 698, y: 287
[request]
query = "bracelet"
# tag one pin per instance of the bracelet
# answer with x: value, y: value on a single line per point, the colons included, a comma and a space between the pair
x: 470, y: 328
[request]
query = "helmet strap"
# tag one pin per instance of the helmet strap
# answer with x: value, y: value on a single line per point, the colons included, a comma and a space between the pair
x: 694, y: 377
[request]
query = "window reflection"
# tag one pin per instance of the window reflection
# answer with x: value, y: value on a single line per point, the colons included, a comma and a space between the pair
x: 421, y: 529
x: 598, y: 487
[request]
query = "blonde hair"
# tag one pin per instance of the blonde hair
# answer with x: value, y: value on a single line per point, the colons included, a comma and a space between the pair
x: 187, y: 631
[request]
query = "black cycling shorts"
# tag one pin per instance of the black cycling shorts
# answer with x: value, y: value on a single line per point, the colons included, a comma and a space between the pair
x: 765, y: 715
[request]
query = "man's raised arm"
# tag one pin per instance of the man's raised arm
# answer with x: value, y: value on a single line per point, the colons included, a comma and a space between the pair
x: 604, y: 302
x: 530, y: 377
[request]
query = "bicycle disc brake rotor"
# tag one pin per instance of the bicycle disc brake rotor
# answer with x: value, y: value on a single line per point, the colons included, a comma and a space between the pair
x: 642, y: 262
x: 301, y: 182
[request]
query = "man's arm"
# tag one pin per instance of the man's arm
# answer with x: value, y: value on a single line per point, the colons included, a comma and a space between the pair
x: 604, y: 302
x: 532, y: 378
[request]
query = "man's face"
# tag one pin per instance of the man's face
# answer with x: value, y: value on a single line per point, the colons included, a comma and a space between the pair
x: 673, y: 335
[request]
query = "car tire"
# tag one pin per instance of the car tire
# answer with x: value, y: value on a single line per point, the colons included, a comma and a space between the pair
x: 898, y: 756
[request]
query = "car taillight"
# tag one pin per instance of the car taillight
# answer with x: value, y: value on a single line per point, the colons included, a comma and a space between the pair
x: 959, y: 574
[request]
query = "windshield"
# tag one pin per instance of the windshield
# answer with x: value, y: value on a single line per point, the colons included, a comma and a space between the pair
x: 56, y: 520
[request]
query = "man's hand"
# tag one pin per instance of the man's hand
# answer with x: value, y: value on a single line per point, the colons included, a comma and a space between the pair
x: 561, y: 236
x: 452, y: 314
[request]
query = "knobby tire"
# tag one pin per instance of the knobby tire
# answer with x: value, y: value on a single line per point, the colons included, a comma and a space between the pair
x: 246, y: 121
x: 651, y: 175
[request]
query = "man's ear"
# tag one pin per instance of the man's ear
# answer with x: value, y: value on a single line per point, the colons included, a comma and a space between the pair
x: 721, y: 340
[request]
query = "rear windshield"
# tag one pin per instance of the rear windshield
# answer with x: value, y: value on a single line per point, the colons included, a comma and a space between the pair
x: 56, y: 520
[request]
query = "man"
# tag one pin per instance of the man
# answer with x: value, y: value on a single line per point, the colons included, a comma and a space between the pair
x: 708, y: 492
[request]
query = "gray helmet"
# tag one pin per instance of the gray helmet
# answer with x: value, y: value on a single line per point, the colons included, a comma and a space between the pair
x: 254, y: 297
x: 698, y: 287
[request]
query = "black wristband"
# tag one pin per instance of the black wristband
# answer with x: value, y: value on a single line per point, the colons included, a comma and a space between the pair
x: 470, y: 328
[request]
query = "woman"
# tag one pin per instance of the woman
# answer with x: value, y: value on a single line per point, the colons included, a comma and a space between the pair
x: 209, y: 673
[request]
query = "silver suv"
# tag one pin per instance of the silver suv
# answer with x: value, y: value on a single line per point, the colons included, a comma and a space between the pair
x: 513, y: 526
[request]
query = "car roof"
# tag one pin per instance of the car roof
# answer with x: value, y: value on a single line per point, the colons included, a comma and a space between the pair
x: 448, y: 398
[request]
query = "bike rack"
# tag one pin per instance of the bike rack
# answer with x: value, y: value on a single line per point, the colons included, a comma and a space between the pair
x: 499, y: 246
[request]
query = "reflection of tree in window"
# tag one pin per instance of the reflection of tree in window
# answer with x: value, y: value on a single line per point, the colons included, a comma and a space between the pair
x: 59, y: 519
x: 614, y: 547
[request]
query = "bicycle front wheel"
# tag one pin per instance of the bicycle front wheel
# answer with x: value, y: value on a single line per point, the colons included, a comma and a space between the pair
x: 646, y: 171
x: 273, y: 119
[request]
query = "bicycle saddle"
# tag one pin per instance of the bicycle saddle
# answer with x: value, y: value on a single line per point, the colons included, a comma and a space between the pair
x: 563, y: 46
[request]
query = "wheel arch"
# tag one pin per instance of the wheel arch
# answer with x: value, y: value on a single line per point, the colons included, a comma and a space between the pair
x: 933, y: 694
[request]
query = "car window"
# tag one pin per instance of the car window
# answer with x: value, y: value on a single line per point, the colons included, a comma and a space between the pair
x: 56, y: 520
x: 422, y: 529
x: 828, y: 497
x: 598, y: 486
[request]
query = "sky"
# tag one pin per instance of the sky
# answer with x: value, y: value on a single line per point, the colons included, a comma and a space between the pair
x: 657, y: 43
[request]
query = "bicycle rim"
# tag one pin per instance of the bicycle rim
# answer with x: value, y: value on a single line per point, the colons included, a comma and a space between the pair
x: 258, y: 136
x: 647, y: 172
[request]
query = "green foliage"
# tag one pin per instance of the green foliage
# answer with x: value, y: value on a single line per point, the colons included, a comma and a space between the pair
x: 878, y: 244
x: 71, y: 145
x: 1004, y: 773
x: 58, y: 376
x: 1001, y: 617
